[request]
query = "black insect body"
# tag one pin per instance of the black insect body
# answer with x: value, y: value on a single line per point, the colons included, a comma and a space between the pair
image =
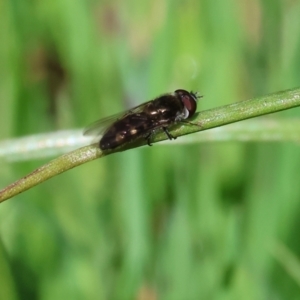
x: 145, y: 119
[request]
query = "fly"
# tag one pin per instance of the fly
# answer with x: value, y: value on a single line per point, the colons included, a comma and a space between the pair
x: 144, y: 120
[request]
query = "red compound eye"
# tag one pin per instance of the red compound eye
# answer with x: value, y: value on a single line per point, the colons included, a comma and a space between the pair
x: 189, y: 101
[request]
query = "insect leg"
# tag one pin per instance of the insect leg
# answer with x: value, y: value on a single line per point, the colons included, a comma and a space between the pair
x: 150, y: 134
x: 190, y: 123
x: 148, y: 137
x: 169, y: 135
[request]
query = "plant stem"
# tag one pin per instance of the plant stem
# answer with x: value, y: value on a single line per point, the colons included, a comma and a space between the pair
x: 202, y: 121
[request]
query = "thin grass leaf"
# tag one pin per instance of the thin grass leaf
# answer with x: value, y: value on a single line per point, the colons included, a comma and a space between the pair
x: 202, y: 121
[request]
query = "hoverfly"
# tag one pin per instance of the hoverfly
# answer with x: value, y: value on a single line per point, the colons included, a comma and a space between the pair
x: 145, y: 119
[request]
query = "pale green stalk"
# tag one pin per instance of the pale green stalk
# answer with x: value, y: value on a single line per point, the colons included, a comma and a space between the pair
x: 202, y: 121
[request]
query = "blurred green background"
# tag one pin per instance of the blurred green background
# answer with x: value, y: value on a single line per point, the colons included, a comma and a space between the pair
x: 203, y: 221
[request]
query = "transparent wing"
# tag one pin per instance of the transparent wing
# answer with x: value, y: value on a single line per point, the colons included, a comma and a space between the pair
x: 99, y: 127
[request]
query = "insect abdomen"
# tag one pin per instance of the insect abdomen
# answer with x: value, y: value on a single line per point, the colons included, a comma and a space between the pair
x: 125, y: 130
